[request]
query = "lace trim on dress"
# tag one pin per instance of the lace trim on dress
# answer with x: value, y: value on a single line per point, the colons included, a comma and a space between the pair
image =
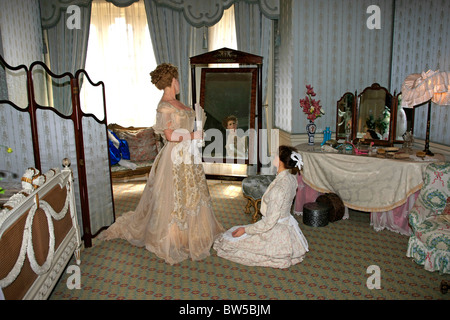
x: 190, y: 186
x: 166, y: 118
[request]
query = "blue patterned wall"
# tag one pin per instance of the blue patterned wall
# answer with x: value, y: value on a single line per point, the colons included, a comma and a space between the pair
x: 327, y: 44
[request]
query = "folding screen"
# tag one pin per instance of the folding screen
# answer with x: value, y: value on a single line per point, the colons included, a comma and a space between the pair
x: 41, y: 136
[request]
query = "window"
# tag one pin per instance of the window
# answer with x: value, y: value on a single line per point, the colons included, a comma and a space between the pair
x: 120, y: 54
x: 223, y: 33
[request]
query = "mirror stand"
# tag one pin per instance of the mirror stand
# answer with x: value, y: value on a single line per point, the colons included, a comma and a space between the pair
x: 227, y: 94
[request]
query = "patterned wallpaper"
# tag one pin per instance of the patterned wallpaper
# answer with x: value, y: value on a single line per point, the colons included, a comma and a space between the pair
x: 421, y: 43
x: 22, y: 42
x: 334, y: 51
x: 327, y: 44
x: 21, y: 31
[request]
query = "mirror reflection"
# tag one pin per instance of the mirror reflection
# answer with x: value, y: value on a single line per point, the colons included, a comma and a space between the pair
x: 236, y: 145
x: 374, y: 114
x: 228, y: 98
x: 344, y: 116
x: 404, y: 122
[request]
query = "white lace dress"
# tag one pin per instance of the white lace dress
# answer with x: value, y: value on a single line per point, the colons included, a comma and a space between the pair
x: 174, y: 218
x: 274, y: 241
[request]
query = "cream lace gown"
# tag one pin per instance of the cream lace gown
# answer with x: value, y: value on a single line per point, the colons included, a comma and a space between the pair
x: 174, y: 218
x: 274, y: 241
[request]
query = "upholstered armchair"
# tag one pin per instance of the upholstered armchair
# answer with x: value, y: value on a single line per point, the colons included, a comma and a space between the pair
x: 429, y: 244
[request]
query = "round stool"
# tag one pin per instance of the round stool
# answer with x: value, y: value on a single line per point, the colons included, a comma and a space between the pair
x: 315, y: 214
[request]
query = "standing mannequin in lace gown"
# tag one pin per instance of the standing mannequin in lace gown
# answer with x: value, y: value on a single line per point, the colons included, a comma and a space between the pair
x: 174, y: 218
x: 276, y: 240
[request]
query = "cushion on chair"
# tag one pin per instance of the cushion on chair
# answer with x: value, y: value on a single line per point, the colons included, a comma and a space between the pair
x: 255, y: 186
x: 142, y: 144
x: 142, y: 141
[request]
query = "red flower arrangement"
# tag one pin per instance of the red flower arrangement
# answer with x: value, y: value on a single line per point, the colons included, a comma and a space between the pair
x: 310, y: 106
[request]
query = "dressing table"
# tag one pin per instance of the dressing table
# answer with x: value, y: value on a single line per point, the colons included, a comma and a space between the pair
x: 384, y: 187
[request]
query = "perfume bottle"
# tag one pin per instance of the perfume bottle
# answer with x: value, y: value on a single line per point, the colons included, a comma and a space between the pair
x: 326, y: 135
x: 348, y: 148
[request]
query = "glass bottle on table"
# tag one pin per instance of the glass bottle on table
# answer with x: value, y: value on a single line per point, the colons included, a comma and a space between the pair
x: 348, y: 148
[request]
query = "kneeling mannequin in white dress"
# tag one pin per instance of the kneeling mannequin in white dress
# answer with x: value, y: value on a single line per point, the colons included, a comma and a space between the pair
x: 276, y: 240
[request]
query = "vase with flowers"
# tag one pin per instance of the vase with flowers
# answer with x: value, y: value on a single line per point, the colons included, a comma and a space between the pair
x: 312, y: 108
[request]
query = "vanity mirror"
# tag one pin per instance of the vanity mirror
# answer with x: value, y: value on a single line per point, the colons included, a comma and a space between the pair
x: 374, y: 115
x: 345, y: 116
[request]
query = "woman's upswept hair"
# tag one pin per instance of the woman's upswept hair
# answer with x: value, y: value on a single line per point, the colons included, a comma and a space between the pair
x: 163, y: 74
x: 225, y: 121
x: 284, y: 153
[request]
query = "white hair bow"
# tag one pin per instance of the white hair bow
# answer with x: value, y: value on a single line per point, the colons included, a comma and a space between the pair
x: 298, y: 159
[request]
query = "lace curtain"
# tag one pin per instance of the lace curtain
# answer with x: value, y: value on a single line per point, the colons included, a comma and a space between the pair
x: 223, y: 33
x: 120, y: 54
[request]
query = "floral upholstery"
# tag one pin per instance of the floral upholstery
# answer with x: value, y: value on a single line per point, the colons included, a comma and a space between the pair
x: 429, y: 244
x: 142, y: 142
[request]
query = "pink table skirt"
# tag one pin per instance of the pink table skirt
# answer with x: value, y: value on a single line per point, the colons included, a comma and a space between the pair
x: 395, y: 220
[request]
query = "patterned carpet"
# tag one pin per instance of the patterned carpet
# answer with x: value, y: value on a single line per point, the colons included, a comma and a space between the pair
x: 334, y: 268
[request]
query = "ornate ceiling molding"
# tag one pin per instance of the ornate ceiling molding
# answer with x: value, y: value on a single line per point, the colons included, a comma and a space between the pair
x: 201, y: 13
x: 51, y: 10
x: 270, y: 8
x: 198, y: 13
x: 122, y: 3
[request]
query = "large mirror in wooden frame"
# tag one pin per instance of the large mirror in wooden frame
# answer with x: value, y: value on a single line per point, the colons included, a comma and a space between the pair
x: 232, y: 100
x: 228, y: 96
